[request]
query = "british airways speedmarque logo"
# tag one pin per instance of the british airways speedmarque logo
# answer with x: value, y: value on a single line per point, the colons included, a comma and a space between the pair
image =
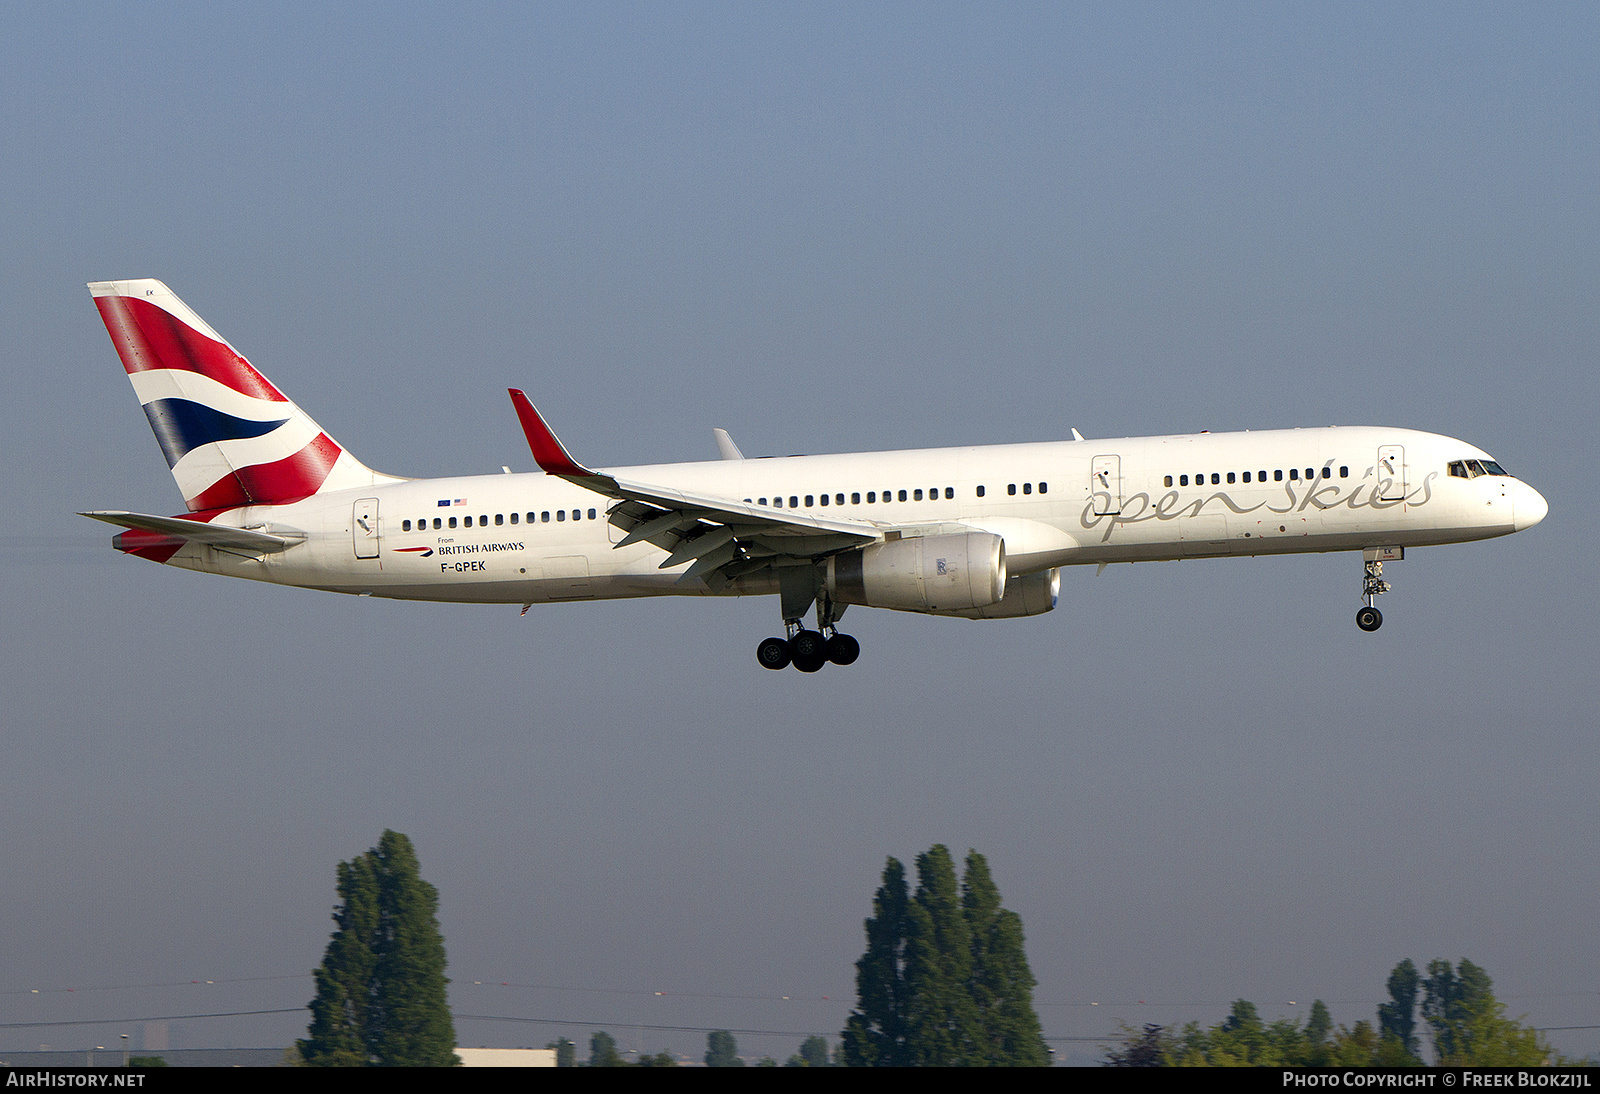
x: 421, y: 552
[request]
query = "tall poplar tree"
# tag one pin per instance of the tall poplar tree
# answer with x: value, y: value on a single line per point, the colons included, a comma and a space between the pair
x: 944, y: 980
x: 875, y: 1033
x: 381, y: 988
x: 1002, y: 983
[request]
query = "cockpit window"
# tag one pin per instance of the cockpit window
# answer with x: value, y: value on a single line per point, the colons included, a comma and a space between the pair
x: 1471, y: 469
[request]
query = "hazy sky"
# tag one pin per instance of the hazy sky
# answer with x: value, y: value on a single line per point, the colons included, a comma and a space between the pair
x: 824, y: 228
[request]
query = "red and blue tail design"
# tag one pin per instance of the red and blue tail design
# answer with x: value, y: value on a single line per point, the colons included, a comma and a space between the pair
x: 230, y: 437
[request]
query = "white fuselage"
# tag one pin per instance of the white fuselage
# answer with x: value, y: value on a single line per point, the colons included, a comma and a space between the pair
x: 535, y: 537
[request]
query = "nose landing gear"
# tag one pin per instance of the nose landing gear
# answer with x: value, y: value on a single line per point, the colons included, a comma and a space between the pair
x: 1369, y: 618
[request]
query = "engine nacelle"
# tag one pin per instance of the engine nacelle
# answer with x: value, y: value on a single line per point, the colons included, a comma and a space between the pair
x: 922, y: 573
x: 1026, y: 594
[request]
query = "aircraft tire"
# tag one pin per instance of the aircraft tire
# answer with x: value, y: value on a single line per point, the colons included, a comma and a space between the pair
x: 773, y: 653
x: 806, y: 645
x: 1369, y: 619
x: 811, y: 663
x: 843, y: 649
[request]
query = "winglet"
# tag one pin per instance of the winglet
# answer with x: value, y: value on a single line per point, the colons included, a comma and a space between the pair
x: 547, y: 451
x: 725, y: 446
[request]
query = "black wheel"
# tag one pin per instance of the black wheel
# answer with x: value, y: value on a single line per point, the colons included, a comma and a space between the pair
x: 810, y: 663
x: 843, y: 650
x: 806, y: 645
x: 1369, y: 619
x: 773, y: 653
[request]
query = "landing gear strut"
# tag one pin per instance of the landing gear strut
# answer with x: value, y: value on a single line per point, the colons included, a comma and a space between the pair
x: 807, y: 650
x: 1370, y: 618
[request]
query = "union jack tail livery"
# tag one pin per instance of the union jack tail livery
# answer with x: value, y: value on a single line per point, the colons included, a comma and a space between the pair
x: 230, y: 437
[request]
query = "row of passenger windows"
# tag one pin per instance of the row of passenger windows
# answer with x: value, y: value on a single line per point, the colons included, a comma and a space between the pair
x: 1259, y: 476
x: 872, y: 498
x: 499, y: 518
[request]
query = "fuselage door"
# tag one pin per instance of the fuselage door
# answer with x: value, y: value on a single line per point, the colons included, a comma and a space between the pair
x: 364, y: 528
x: 1391, y: 472
x: 1105, y: 485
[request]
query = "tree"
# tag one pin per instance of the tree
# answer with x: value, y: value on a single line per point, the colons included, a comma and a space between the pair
x: 1398, y: 1017
x: 944, y: 980
x: 813, y: 1053
x: 875, y: 1034
x: 1002, y: 983
x: 566, y: 1052
x: 381, y: 996
x: 603, y: 1051
x: 1468, y: 1023
x: 722, y: 1050
x: 1140, y: 1048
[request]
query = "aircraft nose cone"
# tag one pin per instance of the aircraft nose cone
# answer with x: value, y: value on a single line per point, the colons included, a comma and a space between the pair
x: 1529, y: 507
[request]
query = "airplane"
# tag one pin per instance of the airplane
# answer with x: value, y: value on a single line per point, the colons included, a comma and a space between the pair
x: 972, y: 532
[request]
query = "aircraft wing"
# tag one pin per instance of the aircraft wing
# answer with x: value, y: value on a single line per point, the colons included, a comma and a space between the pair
x: 237, y: 539
x: 724, y: 537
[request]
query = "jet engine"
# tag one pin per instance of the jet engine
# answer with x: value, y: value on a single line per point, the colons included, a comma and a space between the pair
x: 1026, y: 594
x: 951, y: 573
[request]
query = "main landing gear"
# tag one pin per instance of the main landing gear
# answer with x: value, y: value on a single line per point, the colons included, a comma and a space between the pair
x: 1370, y: 618
x: 807, y: 650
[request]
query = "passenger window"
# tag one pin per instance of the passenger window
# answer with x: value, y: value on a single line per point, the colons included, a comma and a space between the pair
x: 500, y: 518
x: 561, y: 514
x: 1230, y: 476
x: 1044, y: 488
x: 1311, y: 472
x: 872, y: 496
x: 855, y: 499
x: 1344, y: 472
x: 530, y: 518
x: 1247, y: 476
x: 1183, y: 480
x: 1277, y: 476
x: 949, y: 492
x: 591, y: 514
x: 1216, y: 479
x: 1327, y: 472
x: 483, y: 521
x: 824, y: 499
x: 545, y: 516
x: 1027, y: 488
x: 902, y: 495
x: 467, y: 521
x: 1261, y: 476
x: 809, y: 502
x: 761, y: 501
x: 513, y: 518
x: 916, y: 495
x: 1011, y: 488
x: 777, y: 503
x: 1294, y: 474
x: 405, y: 526
x: 794, y: 501
x: 980, y: 491
x: 452, y: 522
x: 436, y: 523
x: 838, y: 499
x: 1167, y: 481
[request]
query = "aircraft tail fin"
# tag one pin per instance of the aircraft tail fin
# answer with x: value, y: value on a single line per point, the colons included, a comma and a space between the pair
x: 230, y: 437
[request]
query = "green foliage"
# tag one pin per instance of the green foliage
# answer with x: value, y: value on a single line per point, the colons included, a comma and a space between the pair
x: 146, y: 1061
x: 566, y: 1052
x: 1398, y: 1017
x: 660, y: 1059
x: 722, y: 1050
x: 944, y: 980
x: 603, y: 1051
x: 813, y: 1052
x: 381, y: 996
x: 1468, y: 1024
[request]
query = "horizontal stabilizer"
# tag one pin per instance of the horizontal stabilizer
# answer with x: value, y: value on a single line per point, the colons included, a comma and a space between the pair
x: 239, y: 539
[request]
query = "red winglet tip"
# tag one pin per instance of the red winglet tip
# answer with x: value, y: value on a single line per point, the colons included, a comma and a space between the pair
x: 547, y: 451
